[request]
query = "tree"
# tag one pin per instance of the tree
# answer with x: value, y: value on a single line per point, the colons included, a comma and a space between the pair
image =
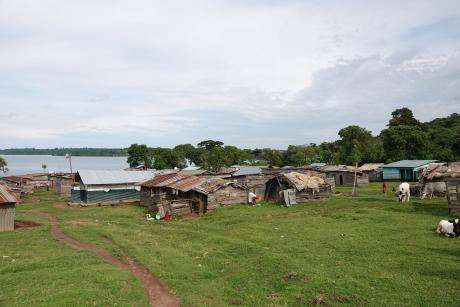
x: 44, y: 166
x: 403, y: 116
x: 139, y: 154
x: 406, y: 142
x: 210, y: 144
x: 164, y: 158
x: 357, y: 145
x: 302, y: 155
x: 3, y: 165
x: 273, y: 157
x: 213, y: 159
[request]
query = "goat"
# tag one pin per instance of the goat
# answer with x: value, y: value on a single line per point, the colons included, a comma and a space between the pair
x: 450, y: 228
x: 403, y: 192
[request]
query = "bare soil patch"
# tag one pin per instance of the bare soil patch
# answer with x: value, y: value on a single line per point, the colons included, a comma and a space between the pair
x: 157, y: 291
x: 25, y: 224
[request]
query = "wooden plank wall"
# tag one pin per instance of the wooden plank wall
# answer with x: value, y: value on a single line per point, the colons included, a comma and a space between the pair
x: 7, y: 215
x: 453, y: 194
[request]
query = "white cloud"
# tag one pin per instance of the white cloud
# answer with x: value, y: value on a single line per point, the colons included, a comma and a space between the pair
x: 162, y: 73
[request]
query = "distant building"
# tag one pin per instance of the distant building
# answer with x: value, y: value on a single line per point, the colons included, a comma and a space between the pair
x: 373, y: 170
x: 405, y: 170
x: 345, y: 175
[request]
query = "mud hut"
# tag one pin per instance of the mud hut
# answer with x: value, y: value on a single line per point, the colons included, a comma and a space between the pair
x: 8, y: 202
x: 294, y: 187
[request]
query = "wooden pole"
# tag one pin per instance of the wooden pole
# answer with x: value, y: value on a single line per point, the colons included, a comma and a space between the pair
x: 354, y: 181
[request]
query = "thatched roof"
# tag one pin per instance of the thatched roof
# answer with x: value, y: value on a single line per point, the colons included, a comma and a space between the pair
x: 302, y: 181
x: 213, y: 184
x: 439, y: 170
x: 369, y: 167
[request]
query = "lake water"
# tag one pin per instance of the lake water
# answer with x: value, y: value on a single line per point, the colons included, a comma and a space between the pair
x: 24, y: 164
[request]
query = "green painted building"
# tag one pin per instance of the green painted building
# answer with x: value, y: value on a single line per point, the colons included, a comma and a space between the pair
x: 405, y: 170
x: 96, y: 186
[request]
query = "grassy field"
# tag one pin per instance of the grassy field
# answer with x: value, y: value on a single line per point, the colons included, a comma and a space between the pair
x: 363, y: 250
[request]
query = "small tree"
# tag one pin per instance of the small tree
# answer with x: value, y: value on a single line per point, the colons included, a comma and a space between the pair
x: 3, y: 167
x: 44, y: 166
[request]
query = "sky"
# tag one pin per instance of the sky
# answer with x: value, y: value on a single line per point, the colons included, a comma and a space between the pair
x: 249, y: 73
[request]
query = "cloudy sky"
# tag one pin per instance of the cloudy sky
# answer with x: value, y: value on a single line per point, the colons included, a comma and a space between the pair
x: 250, y: 73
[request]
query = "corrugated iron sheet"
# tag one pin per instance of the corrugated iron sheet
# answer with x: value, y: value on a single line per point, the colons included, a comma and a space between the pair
x: 187, y: 183
x: 247, y: 170
x: 409, y: 163
x: 6, y: 195
x: 95, y: 177
x: 161, y: 181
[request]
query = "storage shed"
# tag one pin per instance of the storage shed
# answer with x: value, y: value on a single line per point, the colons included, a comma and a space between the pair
x: 98, y: 186
x: 252, y: 178
x: 8, y: 202
x: 64, y: 184
x: 296, y: 187
x: 405, y: 170
x: 373, y: 170
x: 179, y: 194
x: 345, y: 175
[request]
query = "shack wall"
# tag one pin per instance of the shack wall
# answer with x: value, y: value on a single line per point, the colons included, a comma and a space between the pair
x: 7, y: 215
x: 228, y: 195
x: 453, y: 194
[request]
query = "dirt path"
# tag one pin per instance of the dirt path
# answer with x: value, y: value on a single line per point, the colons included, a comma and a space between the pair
x: 157, y: 292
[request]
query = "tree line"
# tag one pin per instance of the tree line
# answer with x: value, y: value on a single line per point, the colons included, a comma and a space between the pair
x: 405, y: 137
x: 87, y: 152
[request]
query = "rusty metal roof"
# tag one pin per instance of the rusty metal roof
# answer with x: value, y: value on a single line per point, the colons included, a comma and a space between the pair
x: 187, y: 183
x: 162, y: 180
x: 6, y: 195
x: 17, y: 179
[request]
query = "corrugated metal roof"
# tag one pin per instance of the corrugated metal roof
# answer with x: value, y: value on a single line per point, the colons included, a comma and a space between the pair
x: 187, y: 183
x: 191, y: 168
x: 94, y: 177
x: 161, y: 181
x: 409, y: 163
x: 247, y: 170
x: 6, y: 195
x: 192, y: 172
x: 317, y: 164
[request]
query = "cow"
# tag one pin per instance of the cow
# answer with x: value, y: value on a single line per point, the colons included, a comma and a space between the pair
x: 403, y: 192
x: 450, y: 228
x: 431, y: 188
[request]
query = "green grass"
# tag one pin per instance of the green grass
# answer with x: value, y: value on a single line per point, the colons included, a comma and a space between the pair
x: 388, y: 255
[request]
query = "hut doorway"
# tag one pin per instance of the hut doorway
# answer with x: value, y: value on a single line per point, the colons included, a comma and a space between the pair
x: 340, y: 179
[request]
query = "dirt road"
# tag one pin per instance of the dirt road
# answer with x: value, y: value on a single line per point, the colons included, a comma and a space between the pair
x: 157, y: 292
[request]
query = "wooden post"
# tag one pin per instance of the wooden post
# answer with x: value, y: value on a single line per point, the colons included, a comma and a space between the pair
x: 354, y: 181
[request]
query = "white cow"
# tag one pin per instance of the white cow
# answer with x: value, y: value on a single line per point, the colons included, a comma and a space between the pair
x: 433, y: 187
x: 450, y: 228
x: 403, y: 192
